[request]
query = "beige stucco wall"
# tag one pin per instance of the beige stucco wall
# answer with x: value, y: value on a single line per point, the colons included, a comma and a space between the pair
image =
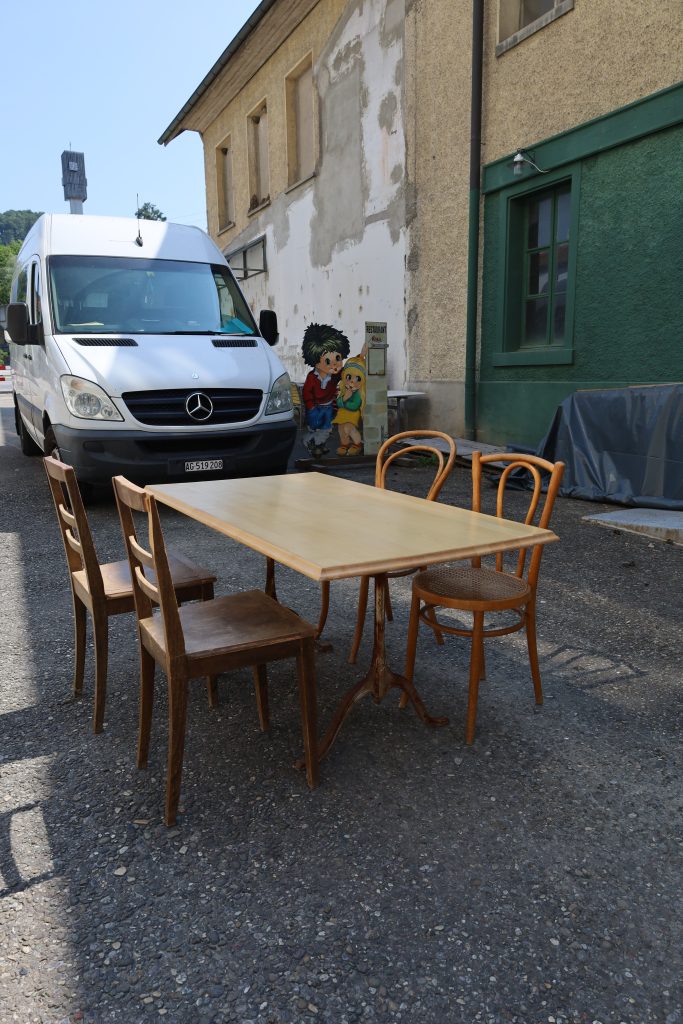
x: 599, y: 56
x: 269, y: 84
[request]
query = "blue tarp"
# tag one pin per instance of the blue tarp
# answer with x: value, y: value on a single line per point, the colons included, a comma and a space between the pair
x: 623, y: 445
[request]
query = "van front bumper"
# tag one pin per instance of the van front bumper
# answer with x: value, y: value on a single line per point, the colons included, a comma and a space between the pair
x: 146, y: 457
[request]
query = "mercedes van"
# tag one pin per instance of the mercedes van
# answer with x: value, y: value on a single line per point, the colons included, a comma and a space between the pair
x: 135, y: 352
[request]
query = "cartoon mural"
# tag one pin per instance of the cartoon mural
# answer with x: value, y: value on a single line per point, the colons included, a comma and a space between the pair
x: 350, y: 405
x: 324, y: 349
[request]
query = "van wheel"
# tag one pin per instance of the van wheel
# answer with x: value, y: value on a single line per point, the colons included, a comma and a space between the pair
x: 50, y: 445
x: 28, y: 445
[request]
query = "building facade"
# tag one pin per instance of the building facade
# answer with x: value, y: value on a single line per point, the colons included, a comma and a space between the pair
x: 337, y: 137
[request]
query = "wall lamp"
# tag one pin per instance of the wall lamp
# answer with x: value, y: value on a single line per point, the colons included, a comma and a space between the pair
x: 520, y: 158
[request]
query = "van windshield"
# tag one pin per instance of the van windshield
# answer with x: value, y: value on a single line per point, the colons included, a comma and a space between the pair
x: 107, y: 294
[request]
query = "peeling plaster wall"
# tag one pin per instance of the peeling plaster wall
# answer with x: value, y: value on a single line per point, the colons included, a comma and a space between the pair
x: 335, y: 244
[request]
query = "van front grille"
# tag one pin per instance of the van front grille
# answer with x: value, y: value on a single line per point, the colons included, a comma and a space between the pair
x: 170, y: 408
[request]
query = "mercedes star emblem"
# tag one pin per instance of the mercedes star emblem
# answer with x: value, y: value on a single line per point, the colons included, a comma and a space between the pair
x: 199, y: 406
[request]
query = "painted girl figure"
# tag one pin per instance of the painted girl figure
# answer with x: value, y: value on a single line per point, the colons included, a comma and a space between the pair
x: 350, y: 405
x: 324, y: 349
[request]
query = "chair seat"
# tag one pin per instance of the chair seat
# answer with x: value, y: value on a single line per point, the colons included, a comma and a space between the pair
x: 465, y: 586
x: 233, y: 624
x: 117, y: 582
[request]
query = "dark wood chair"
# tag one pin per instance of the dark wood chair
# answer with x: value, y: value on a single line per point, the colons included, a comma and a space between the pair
x: 244, y: 629
x: 385, y: 457
x: 104, y: 589
x: 479, y: 590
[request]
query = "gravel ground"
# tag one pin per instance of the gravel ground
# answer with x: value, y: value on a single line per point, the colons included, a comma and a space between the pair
x: 533, y: 877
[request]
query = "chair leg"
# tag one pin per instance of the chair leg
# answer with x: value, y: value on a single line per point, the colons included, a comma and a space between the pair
x: 530, y: 618
x: 101, y: 632
x: 324, y: 606
x: 360, y: 618
x: 387, y: 602
x: 305, y: 666
x: 475, y: 675
x: 413, y: 626
x: 212, y: 691
x: 270, y: 579
x: 147, y: 667
x: 261, y: 688
x: 431, y: 615
x: 177, y: 714
x: 79, y: 645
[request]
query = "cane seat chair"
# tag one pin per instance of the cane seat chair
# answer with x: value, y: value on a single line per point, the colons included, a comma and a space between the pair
x: 245, y: 629
x: 479, y: 590
x: 104, y: 589
x: 396, y: 447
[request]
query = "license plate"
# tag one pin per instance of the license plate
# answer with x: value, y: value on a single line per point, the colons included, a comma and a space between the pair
x: 203, y: 465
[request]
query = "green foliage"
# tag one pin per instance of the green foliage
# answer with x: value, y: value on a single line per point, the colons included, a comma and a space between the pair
x: 8, y: 257
x: 15, y: 225
x: 148, y: 211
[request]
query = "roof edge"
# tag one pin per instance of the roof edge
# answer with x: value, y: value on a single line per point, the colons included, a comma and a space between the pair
x: 174, y: 129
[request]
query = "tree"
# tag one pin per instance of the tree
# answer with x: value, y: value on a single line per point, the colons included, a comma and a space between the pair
x: 148, y: 211
x: 16, y: 224
x: 8, y: 257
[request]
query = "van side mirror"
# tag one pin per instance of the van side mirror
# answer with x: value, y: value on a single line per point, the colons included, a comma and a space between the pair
x: 267, y: 323
x: 17, y: 322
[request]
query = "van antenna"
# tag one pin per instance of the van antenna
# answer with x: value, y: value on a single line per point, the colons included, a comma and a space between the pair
x: 138, y: 240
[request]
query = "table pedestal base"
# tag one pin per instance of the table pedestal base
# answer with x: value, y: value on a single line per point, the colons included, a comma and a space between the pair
x: 377, y: 682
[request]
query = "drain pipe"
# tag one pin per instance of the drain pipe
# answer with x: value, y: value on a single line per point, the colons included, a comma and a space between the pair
x: 473, y: 232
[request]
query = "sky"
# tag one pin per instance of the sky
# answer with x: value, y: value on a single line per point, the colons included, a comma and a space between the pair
x: 106, y: 79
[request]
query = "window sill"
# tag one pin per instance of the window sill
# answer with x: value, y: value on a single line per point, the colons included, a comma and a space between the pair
x: 535, y: 357
x: 561, y: 7
x: 226, y: 227
x: 301, y: 181
x: 257, y: 209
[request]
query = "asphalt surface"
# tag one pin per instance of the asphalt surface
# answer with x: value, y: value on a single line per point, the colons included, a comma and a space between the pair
x: 533, y: 877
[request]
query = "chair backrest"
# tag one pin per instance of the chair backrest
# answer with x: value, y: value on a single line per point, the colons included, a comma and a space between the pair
x: 540, y: 505
x: 132, y: 499
x: 73, y: 524
x: 385, y: 457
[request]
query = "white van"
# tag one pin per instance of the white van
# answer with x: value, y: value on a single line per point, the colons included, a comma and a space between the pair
x: 135, y: 352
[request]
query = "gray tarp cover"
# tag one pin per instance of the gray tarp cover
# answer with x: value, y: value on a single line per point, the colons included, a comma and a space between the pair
x: 621, y: 444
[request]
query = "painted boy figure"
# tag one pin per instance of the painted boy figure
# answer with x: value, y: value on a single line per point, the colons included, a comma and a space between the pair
x: 324, y: 349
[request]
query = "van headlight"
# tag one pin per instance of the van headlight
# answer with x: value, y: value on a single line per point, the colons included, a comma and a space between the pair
x: 280, y: 397
x: 88, y: 401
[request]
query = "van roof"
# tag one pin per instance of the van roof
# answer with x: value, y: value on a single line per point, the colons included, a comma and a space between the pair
x: 80, y: 235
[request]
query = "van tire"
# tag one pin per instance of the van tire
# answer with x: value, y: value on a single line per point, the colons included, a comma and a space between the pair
x: 50, y: 445
x: 28, y: 445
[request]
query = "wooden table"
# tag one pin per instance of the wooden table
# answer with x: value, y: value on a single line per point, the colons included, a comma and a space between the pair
x: 331, y: 528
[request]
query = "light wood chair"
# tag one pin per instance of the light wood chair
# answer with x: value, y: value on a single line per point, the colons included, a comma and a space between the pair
x: 482, y: 590
x: 245, y: 629
x: 104, y: 589
x: 385, y: 457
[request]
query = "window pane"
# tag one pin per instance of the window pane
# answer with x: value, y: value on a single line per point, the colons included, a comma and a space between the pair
x: 538, y: 273
x: 536, y: 322
x: 561, y: 266
x: 540, y: 220
x: 563, y: 211
x: 559, y: 312
x: 533, y: 9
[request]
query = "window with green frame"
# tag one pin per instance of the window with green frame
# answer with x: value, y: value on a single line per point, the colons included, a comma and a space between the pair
x: 538, y: 270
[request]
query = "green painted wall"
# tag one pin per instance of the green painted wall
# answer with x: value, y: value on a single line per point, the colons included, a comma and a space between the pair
x: 628, y: 318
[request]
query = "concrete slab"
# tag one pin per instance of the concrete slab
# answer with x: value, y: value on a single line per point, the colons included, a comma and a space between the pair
x: 653, y: 522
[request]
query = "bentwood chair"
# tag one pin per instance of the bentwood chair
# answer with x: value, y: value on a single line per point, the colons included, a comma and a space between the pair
x: 385, y: 457
x: 245, y: 629
x: 104, y: 589
x: 481, y: 591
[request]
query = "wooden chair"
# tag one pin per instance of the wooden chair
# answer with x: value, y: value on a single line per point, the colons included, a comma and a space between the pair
x: 481, y: 590
x: 385, y: 457
x: 104, y: 589
x: 245, y: 629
